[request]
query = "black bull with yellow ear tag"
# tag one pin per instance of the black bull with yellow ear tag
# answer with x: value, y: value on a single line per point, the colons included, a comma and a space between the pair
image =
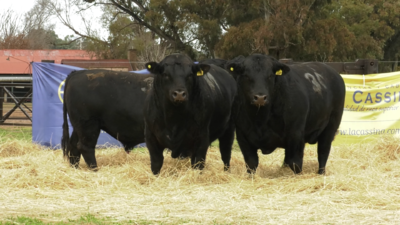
x: 188, y: 108
x: 281, y: 106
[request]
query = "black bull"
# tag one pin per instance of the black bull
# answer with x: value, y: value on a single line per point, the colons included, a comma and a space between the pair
x: 286, y: 106
x: 102, y: 100
x: 188, y: 107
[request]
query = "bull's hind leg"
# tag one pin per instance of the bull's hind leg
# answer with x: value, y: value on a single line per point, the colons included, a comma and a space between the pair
x: 225, y: 146
x: 74, y: 153
x: 324, y: 146
x: 88, y: 136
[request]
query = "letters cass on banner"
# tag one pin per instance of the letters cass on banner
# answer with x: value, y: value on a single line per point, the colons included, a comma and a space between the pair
x: 48, y: 90
x: 372, y: 107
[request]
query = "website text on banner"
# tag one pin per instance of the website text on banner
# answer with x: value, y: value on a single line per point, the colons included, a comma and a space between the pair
x: 372, y: 107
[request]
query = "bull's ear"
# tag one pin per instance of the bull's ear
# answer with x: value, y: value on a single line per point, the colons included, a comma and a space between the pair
x: 235, y: 69
x: 200, y: 69
x: 235, y: 66
x: 280, y: 68
x: 154, y: 67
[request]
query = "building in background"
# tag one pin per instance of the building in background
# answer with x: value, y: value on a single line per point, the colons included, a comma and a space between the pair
x: 16, y: 63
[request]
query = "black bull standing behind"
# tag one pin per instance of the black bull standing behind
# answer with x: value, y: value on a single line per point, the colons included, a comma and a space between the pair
x: 107, y: 100
x: 188, y: 108
x: 286, y: 106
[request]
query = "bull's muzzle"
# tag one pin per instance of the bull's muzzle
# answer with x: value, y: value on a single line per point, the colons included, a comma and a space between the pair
x: 179, y: 96
x: 259, y: 100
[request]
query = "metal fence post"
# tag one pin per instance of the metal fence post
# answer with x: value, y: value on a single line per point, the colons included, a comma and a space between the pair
x: 1, y: 104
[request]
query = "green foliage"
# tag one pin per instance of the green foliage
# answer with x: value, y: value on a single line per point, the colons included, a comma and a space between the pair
x: 69, y: 42
x: 120, y: 37
x: 316, y: 30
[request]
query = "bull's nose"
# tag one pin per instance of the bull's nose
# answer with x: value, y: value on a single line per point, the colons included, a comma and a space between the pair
x: 259, y: 100
x: 179, y: 96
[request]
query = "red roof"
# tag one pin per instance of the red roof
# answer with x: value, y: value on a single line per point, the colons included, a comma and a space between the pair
x: 17, y: 61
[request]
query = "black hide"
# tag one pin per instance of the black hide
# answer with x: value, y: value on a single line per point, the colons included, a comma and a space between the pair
x: 107, y: 100
x: 303, y: 105
x: 188, y: 108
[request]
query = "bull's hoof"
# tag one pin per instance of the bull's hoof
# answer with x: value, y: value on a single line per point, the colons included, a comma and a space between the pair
x: 75, y: 166
x: 198, y: 167
x: 295, y: 168
x: 321, y: 171
x: 94, y: 169
x: 226, y: 168
x: 251, y: 171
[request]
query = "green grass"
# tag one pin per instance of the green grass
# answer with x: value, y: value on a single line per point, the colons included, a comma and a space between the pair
x: 15, y: 133
x: 87, y: 219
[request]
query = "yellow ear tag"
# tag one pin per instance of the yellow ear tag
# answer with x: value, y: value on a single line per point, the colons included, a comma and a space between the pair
x: 200, y: 73
x: 149, y: 66
x: 231, y: 68
x: 279, y: 72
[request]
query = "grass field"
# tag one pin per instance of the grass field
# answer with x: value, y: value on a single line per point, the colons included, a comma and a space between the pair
x: 362, y: 186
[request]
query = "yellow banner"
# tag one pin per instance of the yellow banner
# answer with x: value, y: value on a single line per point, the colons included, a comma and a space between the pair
x: 372, y: 107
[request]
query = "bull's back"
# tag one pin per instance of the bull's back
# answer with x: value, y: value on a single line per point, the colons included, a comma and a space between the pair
x: 223, y: 94
x: 105, y: 90
x: 114, y: 99
x: 323, y: 92
x: 227, y: 87
x: 320, y: 83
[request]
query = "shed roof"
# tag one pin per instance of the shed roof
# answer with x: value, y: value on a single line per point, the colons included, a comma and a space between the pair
x: 17, y: 61
x: 111, y: 64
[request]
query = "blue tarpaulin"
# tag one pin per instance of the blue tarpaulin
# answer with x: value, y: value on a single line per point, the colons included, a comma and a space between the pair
x: 47, y: 116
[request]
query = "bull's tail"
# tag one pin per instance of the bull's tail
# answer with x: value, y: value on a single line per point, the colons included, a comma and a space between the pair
x: 65, y: 136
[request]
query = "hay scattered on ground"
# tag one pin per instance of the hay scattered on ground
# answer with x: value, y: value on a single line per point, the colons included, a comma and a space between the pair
x: 362, y: 185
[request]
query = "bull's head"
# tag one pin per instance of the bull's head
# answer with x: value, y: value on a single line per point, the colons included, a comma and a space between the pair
x: 176, y: 77
x: 256, y: 76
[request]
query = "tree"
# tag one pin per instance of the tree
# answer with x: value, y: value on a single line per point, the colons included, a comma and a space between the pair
x: 323, y: 30
x: 35, y: 32
x: 11, y: 35
x: 186, y: 26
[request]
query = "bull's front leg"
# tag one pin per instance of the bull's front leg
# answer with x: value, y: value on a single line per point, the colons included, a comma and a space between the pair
x: 249, y: 152
x: 155, y: 151
x: 294, y: 152
x: 199, y: 156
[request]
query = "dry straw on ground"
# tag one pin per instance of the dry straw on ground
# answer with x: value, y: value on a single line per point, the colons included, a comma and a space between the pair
x: 362, y: 186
